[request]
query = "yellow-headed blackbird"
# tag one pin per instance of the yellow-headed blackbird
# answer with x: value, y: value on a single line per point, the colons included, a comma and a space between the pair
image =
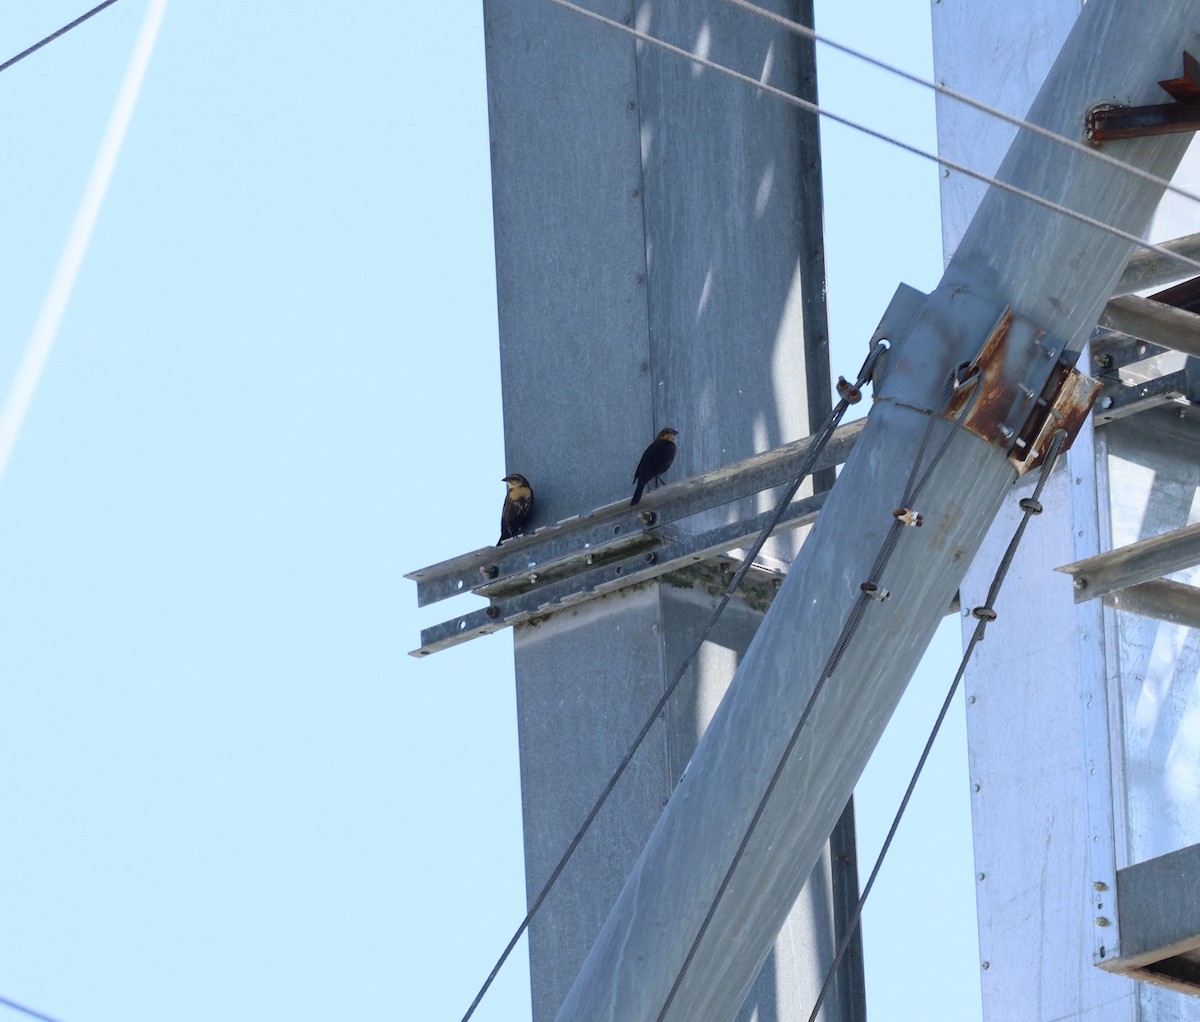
x: 518, y: 506
x: 656, y: 459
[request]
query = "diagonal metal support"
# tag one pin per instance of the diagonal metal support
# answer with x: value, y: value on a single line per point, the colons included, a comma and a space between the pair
x: 747, y: 821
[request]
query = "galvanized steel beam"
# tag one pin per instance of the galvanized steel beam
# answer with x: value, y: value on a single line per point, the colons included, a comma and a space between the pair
x: 1155, y: 322
x: 665, y: 550
x: 1162, y: 599
x: 1056, y: 272
x: 1149, y: 268
x: 1160, y: 921
x: 626, y: 305
x: 614, y: 525
x: 1139, y: 562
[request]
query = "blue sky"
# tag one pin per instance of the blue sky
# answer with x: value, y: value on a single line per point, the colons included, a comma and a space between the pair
x: 227, y: 790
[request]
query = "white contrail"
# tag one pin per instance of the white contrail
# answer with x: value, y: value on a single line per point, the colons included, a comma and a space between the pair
x: 25, y: 382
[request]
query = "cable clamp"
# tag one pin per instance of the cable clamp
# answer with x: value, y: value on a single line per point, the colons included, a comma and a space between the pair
x: 1030, y: 506
x: 848, y: 392
x: 873, y: 591
x: 907, y: 516
x: 984, y: 614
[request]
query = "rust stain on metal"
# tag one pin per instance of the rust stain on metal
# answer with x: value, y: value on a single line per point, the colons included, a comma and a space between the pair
x: 976, y: 374
x: 1107, y: 121
x: 1019, y: 416
x: 987, y: 396
x: 1070, y: 407
x: 1186, y: 88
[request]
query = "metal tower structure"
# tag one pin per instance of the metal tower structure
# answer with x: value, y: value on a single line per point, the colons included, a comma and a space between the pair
x: 642, y: 273
x: 1082, y: 715
x: 647, y: 277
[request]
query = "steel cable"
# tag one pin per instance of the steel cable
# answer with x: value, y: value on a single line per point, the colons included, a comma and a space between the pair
x: 5, y: 1002
x: 54, y: 35
x: 819, y: 441
x: 799, y: 28
x: 869, y: 592
x: 984, y: 615
x: 943, y: 161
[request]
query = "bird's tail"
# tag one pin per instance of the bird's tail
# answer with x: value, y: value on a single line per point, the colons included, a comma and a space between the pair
x: 637, y: 494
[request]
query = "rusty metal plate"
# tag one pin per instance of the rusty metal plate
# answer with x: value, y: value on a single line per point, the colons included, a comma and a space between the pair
x: 1067, y: 410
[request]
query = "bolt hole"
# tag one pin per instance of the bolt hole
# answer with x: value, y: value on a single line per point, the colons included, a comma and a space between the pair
x: 462, y: 626
x: 616, y: 529
x: 459, y: 584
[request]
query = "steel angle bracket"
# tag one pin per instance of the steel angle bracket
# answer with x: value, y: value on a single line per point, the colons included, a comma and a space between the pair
x: 616, y: 546
x: 1107, y: 121
x: 1020, y: 390
x: 674, y: 549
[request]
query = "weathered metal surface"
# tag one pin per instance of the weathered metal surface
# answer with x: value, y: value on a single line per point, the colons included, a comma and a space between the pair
x: 1153, y: 463
x: 617, y: 525
x: 624, y: 306
x: 1044, y: 721
x: 1011, y: 256
x: 1185, y: 88
x: 1161, y: 599
x: 666, y: 551
x: 1138, y: 562
x: 1010, y: 398
x: 1120, y: 401
x: 1015, y: 394
x: 1108, y: 121
x: 653, y: 923
x: 1149, y: 268
x: 998, y: 390
x: 1160, y: 921
x: 1065, y: 404
x: 1154, y: 322
x: 918, y: 374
